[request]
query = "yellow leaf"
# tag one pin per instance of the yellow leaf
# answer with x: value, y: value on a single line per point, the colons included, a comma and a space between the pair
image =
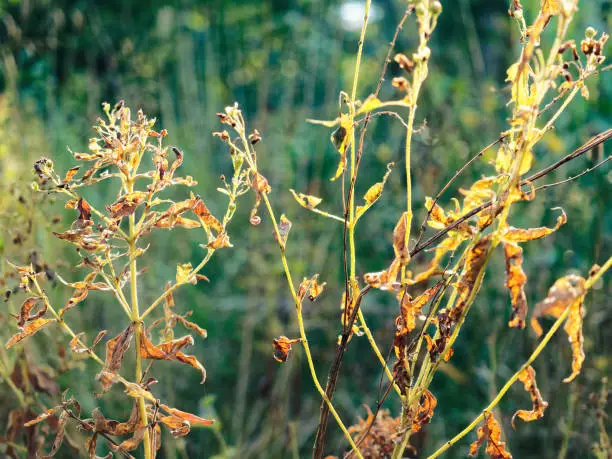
x: 183, y: 274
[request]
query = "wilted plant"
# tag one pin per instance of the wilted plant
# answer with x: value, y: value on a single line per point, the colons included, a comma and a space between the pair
x: 110, y: 242
x: 544, y: 80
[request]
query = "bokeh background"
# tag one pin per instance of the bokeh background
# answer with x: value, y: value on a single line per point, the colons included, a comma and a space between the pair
x: 284, y: 62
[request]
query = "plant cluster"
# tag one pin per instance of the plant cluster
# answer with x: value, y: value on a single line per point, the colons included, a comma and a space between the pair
x: 433, y: 298
x: 544, y: 80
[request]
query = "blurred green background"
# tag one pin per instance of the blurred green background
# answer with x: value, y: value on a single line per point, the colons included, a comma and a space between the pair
x: 284, y: 62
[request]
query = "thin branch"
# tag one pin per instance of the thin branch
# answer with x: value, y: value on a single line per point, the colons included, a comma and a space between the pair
x: 592, y: 143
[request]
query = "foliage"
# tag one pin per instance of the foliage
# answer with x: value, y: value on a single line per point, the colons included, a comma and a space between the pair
x: 175, y: 71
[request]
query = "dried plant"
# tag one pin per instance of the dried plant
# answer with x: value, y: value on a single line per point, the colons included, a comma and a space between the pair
x: 433, y: 298
x: 110, y: 242
x: 544, y: 80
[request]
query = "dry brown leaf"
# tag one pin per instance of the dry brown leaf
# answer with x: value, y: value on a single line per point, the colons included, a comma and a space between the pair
x: 115, y: 350
x: 282, y: 347
x: 491, y: 433
x: 425, y: 411
x: 28, y: 330
x: 127, y: 204
x: 515, y: 282
x: 527, y: 377
x: 171, y: 351
x: 568, y: 291
x: 512, y: 234
x: 306, y: 200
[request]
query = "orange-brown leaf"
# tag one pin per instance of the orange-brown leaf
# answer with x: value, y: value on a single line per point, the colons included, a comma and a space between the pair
x: 115, y: 350
x: 527, y: 377
x: 515, y: 282
x: 171, y: 351
x: 566, y: 292
x: 282, y: 347
x: 190, y: 418
x: 25, y: 314
x: 84, y: 209
x: 491, y: 433
x: 206, y: 217
x: 425, y: 411
x: 28, y: 330
x: 127, y: 204
x: 512, y: 234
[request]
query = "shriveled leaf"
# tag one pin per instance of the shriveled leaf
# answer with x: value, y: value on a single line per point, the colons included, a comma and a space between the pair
x: 222, y: 240
x: 28, y: 330
x: 43, y: 416
x: 134, y: 441
x: 384, y: 280
x: 410, y: 308
x: 177, y: 426
x: 127, y: 204
x: 115, y: 350
x: 137, y: 391
x: 566, y: 292
x: 527, y: 377
x: 59, y: 434
x: 184, y: 274
x: 70, y: 173
x: 192, y: 326
x: 306, y: 200
x: 512, y: 234
x: 425, y: 411
x: 84, y: 210
x: 373, y: 193
x: 189, y: 417
x: 399, y: 239
x: 474, y: 263
x: 341, y: 139
x: 371, y: 103
x: 284, y: 226
x: 171, y: 351
x: 282, y: 347
x: 310, y: 287
x: 515, y: 282
x: 25, y: 314
x: 206, y: 217
x: 491, y: 433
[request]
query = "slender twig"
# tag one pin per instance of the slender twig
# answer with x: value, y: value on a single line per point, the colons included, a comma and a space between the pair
x: 586, y: 171
x: 449, y: 183
x: 588, y: 146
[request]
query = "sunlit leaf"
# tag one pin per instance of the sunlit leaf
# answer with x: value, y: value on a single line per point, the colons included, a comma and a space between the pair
x: 527, y: 377
x: 306, y: 200
x: 491, y: 433
x: 190, y: 418
x: 127, y: 204
x: 184, y: 274
x: 170, y: 350
x: 206, y: 217
x: 569, y: 291
x: 282, y: 347
x: 515, y: 282
x: 371, y: 103
x: 512, y: 234
x: 425, y: 411
x: 27, y: 330
x: 373, y: 193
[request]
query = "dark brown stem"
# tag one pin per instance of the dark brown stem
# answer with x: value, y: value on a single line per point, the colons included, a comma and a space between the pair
x: 334, y: 371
